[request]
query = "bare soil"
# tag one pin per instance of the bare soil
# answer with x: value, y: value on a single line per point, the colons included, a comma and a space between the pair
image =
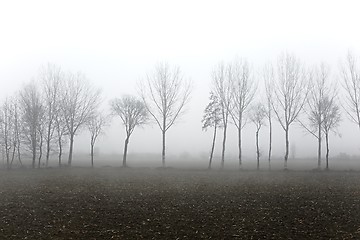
x: 114, y: 203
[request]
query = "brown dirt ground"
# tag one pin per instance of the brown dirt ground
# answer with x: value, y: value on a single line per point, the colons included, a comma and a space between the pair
x: 114, y: 203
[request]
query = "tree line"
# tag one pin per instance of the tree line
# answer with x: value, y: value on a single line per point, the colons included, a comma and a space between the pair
x: 47, y: 113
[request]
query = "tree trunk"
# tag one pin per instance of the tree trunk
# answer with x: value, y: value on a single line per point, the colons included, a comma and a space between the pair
x: 47, y: 150
x: 270, y: 142
x: 92, y: 153
x: 71, y: 149
x: 239, y: 145
x: 125, y: 151
x: 223, y: 147
x: 286, y: 148
x: 212, y: 148
x: 163, y: 149
x: 40, y: 151
x: 60, y: 151
x: 319, y: 147
x: 327, y: 150
x: 257, y: 150
x: 33, y: 151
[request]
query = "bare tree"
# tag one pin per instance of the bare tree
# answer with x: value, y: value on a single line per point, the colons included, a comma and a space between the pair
x: 291, y: 87
x: 351, y: 83
x: 133, y: 113
x: 212, y: 118
x: 7, y: 130
x: 52, y: 79
x: 32, y: 111
x: 222, y: 86
x: 257, y: 115
x: 268, y: 75
x: 96, y: 127
x: 243, y: 93
x: 315, y: 108
x: 165, y: 94
x: 332, y: 118
x: 61, y: 131
x: 79, y: 103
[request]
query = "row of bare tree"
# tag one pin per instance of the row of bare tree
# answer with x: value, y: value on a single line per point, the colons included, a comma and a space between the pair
x: 47, y: 113
x: 291, y: 94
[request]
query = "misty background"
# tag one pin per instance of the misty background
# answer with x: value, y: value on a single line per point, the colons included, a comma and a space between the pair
x: 117, y: 43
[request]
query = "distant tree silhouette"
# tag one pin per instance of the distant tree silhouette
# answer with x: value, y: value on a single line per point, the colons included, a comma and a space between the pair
x: 291, y: 87
x: 268, y: 76
x: 165, y: 94
x: 212, y: 118
x: 243, y: 91
x: 96, y: 127
x: 222, y: 86
x: 32, y: 115
x: 79, y: 103
x: 133, y: 113
x: 320, y: 93
x: 257, y: 116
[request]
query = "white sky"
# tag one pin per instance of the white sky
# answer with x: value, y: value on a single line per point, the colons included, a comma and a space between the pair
x: 115, y: 43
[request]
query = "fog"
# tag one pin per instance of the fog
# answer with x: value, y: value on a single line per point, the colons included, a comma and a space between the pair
x: 117, y: 43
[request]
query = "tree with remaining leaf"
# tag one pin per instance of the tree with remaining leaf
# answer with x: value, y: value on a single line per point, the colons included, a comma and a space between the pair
x: 222, y: 86
x: 212, y: 118
x: 243, y: 91
x: 291, y: 87
x: 257, y: 116
x: 165, y: 94
x: 133, y: 113
x: 96, y: 127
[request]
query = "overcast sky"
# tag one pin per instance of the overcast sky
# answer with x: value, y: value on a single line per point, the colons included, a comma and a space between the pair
x: 116, y: 43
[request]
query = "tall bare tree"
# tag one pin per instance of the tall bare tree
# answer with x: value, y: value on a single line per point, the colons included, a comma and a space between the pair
x: 212, y: 118
x: 96, y: 127
x: 165, y: 94
x: 222, y: 86
x: 351, y: 83
x: 332, y: 119
x: 7, y: 124
x: 32, y: 111
x: 257, y: 115
x: 133, y: 113
x: 243, y: 93
x: 79, y: 103
x: 52, y: 78
x: 268, y: 76
x: 291, y: 87
x: 320, y: 91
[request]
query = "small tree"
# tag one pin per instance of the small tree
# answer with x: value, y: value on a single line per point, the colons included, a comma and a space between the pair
x: 165, y: 94
x: 96, y: 126
x: 257, y: 116
x: 212, y: 118
x: 133, y: 113
x: 332, y: 118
